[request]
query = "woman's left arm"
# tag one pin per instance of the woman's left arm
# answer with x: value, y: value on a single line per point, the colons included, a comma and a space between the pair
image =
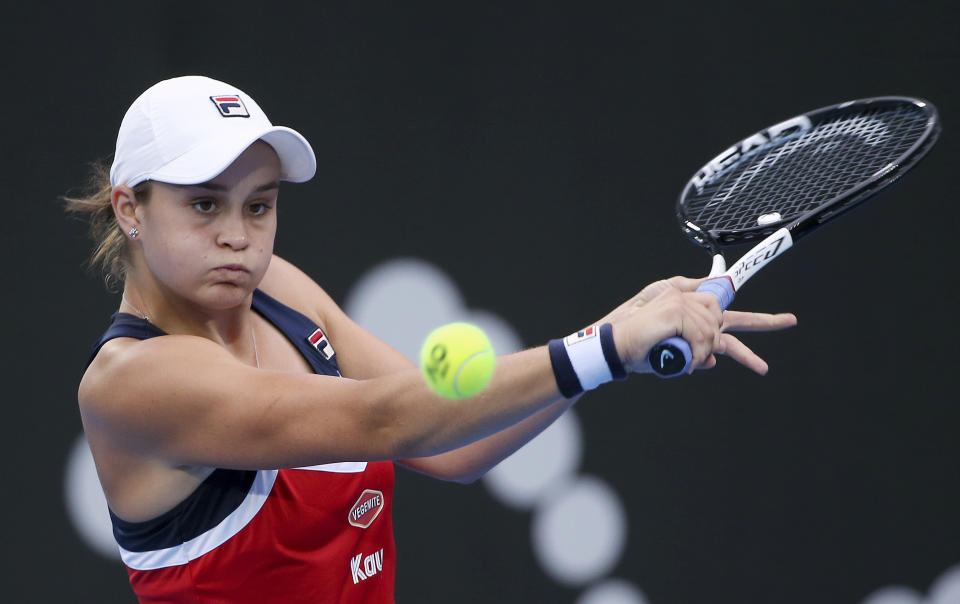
x: 361, y: 356
x: 364, y: 356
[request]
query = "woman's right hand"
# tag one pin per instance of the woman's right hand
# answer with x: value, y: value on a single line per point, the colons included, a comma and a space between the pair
x: 673, y: 307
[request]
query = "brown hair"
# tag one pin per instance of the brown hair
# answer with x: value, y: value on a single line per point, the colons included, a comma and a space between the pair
x: 111, y: 253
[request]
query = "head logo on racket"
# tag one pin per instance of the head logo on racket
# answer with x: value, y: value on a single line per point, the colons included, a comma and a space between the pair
x: 774, y: 135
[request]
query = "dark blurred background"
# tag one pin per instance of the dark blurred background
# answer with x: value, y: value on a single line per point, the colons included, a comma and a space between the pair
x: 533, y: 151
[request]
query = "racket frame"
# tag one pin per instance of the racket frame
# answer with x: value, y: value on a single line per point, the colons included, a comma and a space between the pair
x: 779, y: 235
x: 799, y: 226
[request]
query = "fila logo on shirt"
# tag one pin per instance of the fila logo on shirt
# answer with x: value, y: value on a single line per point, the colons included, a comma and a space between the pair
x: 230, y: 105
x: 581, y: 336
x: 322, y: 344
x: 371, y: 565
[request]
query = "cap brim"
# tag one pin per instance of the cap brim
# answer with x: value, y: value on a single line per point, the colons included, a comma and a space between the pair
x: 206, y: 161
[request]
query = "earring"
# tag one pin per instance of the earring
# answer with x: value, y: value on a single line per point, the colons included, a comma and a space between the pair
x: 134, y: 231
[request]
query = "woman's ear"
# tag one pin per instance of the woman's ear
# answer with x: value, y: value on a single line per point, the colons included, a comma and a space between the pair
x: 124, y: 202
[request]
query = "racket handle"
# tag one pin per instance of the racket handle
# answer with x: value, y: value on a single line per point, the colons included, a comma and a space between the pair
x: 672, y: 356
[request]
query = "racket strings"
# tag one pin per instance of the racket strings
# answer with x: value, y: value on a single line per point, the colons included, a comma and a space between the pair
x: 813, y: 170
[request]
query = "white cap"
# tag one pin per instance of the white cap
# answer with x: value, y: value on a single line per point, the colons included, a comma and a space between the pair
x: 187, y: 130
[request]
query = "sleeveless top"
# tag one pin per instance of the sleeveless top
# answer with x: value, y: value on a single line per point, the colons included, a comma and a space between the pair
x: 314, y: 534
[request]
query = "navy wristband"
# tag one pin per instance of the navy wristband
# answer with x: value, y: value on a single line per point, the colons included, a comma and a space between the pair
x: 610, y: 353
x: 567, y: 379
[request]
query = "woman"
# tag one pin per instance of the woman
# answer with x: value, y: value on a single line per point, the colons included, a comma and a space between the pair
x: 243, y: 427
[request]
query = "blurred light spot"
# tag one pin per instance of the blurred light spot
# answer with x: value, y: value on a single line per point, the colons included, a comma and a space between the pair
x: 946, y: 589
x: 579, y: 533
x: 86, y: 505
x: 894, y: 595
x: 403, y: 300
x: 612, y: 591
x: 527, y: 475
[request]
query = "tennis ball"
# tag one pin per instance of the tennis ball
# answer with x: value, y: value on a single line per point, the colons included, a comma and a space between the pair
x: 457, y: 360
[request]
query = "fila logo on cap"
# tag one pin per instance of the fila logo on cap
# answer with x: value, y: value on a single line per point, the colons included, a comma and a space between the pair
x: 230, y: 105
x: 321, y: 343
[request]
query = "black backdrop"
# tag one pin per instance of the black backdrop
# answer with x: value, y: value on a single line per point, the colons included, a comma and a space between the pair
x: 533, y: 151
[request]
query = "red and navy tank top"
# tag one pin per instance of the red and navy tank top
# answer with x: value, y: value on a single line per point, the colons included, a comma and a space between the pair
x: 315, y: 534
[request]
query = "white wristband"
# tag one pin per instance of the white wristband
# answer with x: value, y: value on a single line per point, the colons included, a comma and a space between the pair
x: 586, y: 356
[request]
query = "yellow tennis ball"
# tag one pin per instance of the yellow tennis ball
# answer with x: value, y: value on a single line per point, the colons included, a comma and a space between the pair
x: 457, y: 360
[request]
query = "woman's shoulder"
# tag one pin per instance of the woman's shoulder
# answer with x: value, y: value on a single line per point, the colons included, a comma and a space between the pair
x: 287, y: 284
x: 122, y: 362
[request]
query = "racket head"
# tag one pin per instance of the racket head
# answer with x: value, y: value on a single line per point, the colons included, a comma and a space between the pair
x: 805, y: 171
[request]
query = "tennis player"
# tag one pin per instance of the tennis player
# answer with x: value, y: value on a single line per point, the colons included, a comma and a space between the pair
x: 244, y: 428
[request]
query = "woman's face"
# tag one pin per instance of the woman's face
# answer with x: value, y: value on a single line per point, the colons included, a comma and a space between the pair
x: 211, y: 243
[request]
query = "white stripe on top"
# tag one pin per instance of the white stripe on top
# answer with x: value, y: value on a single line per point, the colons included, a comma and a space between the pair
x: 343, y: 467
x: 211, y: 539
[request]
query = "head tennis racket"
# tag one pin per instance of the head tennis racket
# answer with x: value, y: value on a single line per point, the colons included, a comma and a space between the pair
x: 781, y: 183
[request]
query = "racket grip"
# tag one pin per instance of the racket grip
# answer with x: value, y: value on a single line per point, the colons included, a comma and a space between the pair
x: 672, y: 356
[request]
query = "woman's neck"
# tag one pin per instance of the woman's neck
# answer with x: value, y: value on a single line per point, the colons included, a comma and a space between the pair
x: 224, y: 319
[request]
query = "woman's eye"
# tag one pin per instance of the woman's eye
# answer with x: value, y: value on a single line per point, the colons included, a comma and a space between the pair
x: 259, y: 209
x: 204, y: 206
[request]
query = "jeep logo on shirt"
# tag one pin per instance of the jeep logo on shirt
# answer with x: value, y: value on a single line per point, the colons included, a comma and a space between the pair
x: 366, y: 509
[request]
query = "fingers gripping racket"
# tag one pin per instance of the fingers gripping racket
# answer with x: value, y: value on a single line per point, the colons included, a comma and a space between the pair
x: 784, y: 182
